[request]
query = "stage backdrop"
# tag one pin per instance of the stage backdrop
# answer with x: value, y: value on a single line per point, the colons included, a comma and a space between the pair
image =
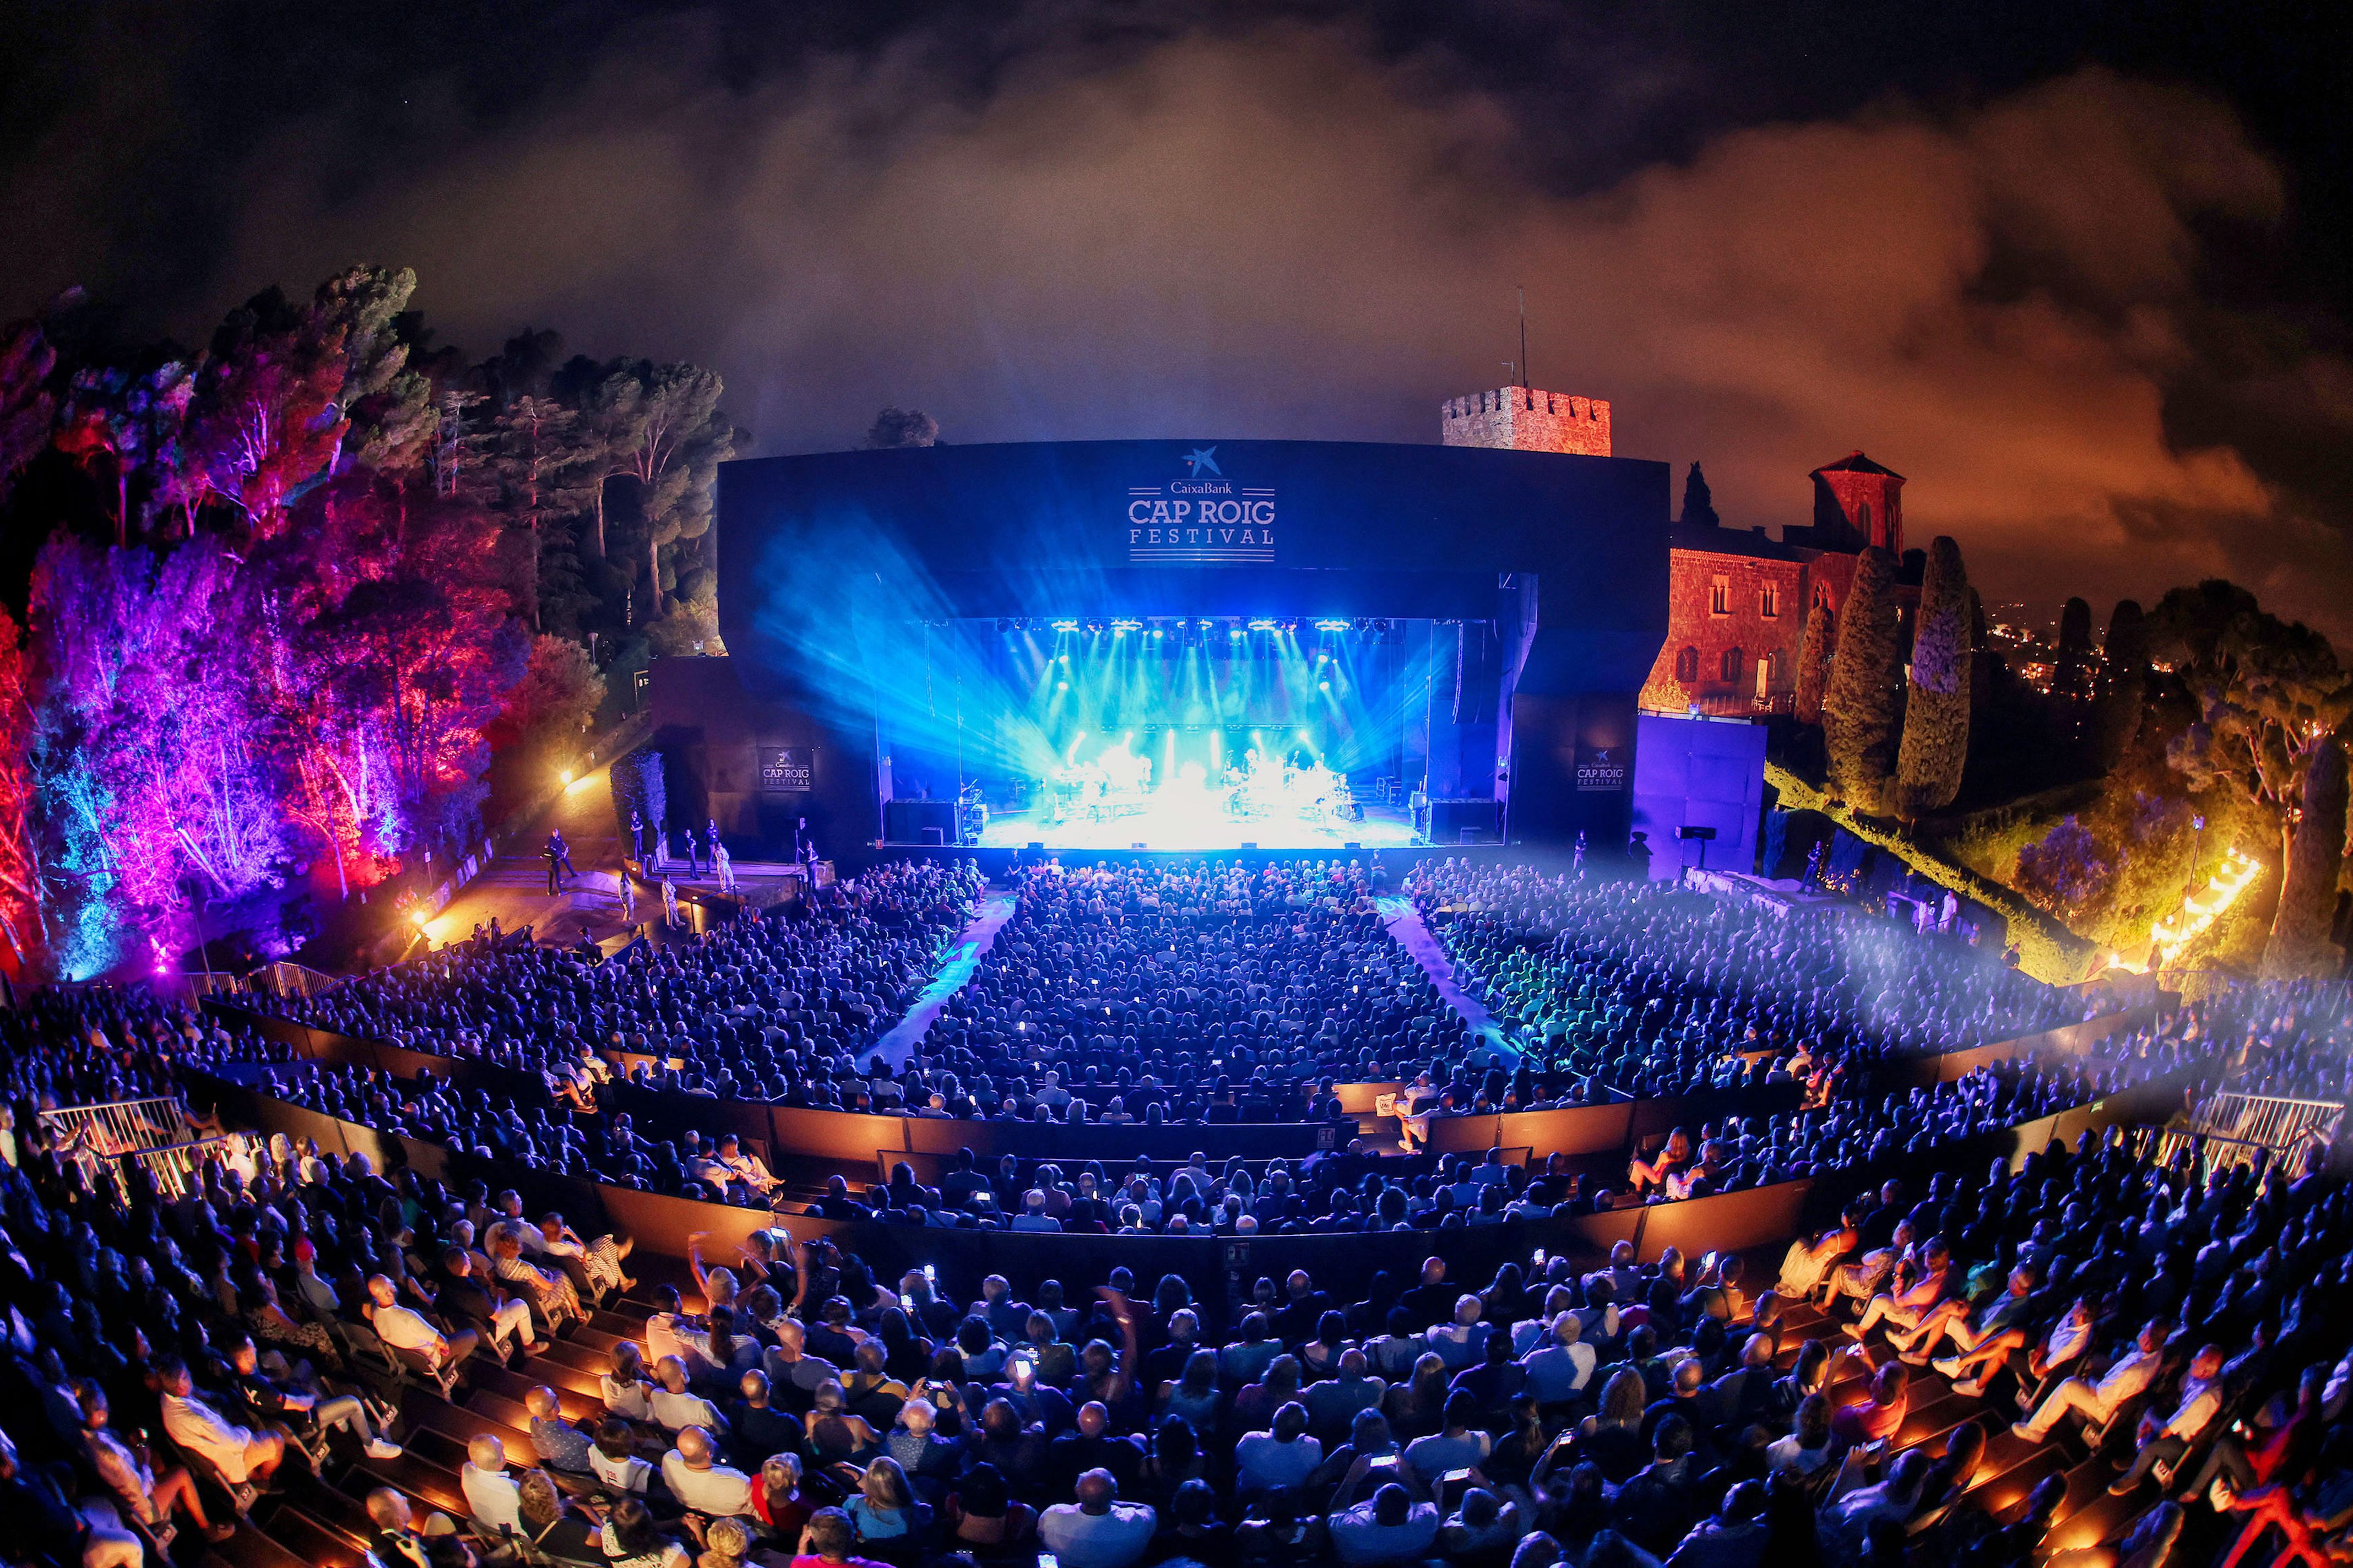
x: 1556, y: 566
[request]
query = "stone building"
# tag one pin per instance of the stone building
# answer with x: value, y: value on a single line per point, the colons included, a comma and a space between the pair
x: 1738, y: 599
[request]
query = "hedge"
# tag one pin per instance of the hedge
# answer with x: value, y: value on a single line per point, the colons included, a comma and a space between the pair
x: 2047, y: 950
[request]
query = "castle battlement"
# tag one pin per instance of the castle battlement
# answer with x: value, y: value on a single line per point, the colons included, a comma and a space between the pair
x: 1527, y: 419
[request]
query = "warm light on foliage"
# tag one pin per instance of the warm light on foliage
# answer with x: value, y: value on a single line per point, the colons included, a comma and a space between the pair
x: 2203, y: 907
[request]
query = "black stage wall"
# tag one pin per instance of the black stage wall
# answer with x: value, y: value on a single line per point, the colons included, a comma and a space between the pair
x: 1556, y: 566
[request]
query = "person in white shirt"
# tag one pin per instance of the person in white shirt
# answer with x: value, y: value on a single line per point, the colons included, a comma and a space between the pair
x: 624, y: 1388
x: 404, y: 1329
x: 1284, y: 1455
x: 1391, y: 1528
x: 508, y: 1205
x: 491, y: 1496
x: 614, y: 1460
x: 697, y: 1480
x: 674, y: 1408
x: 146, y: 1497
x: 2068, y: 1337
x: 242, y: 1456
x: 2164, y: 1440
x: 1098, y: 1530
x: 1559, y: 1370
x: 2132, y: 1373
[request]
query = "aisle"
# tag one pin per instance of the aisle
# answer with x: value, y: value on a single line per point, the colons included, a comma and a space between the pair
x: 995, y: 909
x: 1405, y: 923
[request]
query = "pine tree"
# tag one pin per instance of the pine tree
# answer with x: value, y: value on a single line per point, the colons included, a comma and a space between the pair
x: 1699, y: 506
x: 1936, y: 709
x: 896, y: 427
x: 1814, y: 662
x: 1858, y: 706
x: 2300, y: 944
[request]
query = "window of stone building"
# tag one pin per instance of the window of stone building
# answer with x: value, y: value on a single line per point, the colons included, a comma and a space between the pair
x: 1769, y: 600
x: 1732, y: 664
x: 1719, y: 596
x: 1687, y: 665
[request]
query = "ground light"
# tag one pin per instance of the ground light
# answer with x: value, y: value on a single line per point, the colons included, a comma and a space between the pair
x: 2200, y: 910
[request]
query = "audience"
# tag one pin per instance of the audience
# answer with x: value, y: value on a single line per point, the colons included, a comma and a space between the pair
x: 1950, y: 1373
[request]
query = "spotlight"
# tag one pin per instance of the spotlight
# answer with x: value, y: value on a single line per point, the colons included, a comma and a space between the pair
x: 1127, y: 626
x: 419, y: 919
x: 1204, y: 626
x: 567, y: 778
x: 1063, y: 686
x: 1235, y: 632
x: 1004, y: 625
x: 1066, y: 626
x: 1158, y: 632
x: 1331, y: 626
x: 1261, y: 626
x: 1323, y: 685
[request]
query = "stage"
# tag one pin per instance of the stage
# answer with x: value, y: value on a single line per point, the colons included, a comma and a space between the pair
x: 1165, y: 824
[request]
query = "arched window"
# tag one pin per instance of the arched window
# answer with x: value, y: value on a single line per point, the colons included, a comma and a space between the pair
x: 1687, y: 665
x: 1732, y: 664
x: 1862, y: 519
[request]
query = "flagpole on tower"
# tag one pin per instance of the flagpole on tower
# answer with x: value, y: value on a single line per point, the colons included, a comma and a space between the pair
x: 1524, y: 339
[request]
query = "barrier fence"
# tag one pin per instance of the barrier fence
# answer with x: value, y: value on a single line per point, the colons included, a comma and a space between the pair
x: 174, y: 1171
x: 119, y: 1126
x: 2270, y: 1121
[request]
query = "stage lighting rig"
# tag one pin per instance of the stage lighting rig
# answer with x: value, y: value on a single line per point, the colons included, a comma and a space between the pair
x: 1331, y: 626
x: 1260, y: 626
x: 1066, y: 626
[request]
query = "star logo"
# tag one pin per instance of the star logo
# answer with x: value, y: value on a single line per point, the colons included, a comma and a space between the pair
x: 1201, y: 461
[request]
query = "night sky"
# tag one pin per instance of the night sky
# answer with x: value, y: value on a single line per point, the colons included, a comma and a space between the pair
x: 2084, y: 273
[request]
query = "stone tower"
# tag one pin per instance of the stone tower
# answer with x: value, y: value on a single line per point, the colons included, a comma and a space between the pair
x: 1856, y: 503
x: 1523, y: 419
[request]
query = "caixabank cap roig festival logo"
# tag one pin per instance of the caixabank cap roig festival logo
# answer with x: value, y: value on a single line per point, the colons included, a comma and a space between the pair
x: 1202, y: 517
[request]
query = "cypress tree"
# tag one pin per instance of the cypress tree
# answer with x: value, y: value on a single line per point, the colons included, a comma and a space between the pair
x: 1859, y: 705
x: 1814, y: 663
x: 1699, y: 505
x: 2300, y: 944
x: 2072, y: 677
x: 1936, y: 709
x: 2124, y: 683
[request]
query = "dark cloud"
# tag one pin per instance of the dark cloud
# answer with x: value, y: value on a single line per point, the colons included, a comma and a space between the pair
x: 1314, y: 227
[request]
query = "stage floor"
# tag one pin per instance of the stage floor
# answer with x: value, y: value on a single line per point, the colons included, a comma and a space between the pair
x: 1163, y: 824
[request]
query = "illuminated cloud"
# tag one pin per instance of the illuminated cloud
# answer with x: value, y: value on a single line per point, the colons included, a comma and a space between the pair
x: 1280, y: 229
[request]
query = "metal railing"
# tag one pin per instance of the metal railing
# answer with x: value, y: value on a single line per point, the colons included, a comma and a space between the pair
x: 176, y: 1170
x: 119, y: 1126
x: 2271, y: 1120
x: 2212, y: 1153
